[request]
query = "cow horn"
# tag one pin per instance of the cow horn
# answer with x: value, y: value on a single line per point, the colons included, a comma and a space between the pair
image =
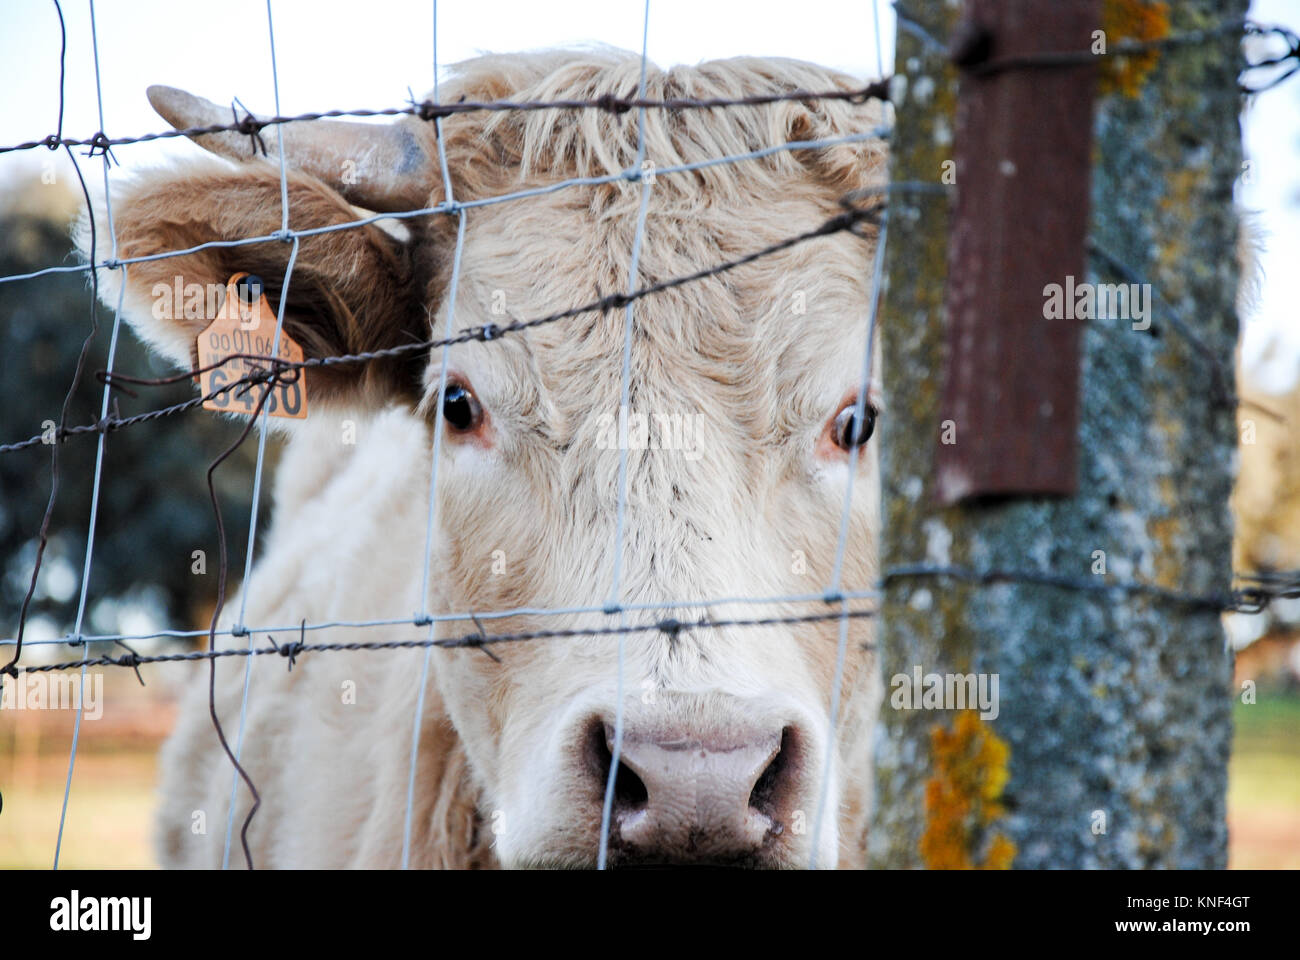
x: 384, y: 168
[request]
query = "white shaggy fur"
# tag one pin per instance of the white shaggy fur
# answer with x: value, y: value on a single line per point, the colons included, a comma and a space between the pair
x: 762, y: 358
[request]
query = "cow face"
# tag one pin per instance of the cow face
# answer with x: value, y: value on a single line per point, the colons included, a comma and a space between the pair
x: 737, y: 457
x: 730, y: 459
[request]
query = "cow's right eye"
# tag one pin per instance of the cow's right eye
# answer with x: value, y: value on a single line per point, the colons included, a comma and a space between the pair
x: 460, y: 408
x: 847, y: 432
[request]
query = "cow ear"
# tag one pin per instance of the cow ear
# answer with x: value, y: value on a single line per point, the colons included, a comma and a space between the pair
x: 351, y: 290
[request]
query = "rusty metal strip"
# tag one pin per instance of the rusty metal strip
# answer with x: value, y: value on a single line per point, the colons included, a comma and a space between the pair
x: 1023, y: 140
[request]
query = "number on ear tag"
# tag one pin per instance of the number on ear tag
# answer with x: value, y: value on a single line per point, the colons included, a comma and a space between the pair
x: 247, y: 326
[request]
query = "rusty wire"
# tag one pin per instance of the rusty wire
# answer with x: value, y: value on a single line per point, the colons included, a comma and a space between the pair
x: 1258, y: 591
x: 478, y: 640
x: 251, y: 126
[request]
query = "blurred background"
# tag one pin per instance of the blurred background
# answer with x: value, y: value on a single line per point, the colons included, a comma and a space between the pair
x: 154, y: 510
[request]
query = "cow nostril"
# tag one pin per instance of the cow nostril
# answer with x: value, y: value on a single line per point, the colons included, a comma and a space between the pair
x: 770, y: 786
x: 630, y: 791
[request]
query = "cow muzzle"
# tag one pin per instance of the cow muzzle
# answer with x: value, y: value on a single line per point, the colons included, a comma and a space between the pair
x: 722, y: 793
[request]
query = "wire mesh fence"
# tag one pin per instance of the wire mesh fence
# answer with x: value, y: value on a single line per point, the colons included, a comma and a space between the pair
x: 863, y: 212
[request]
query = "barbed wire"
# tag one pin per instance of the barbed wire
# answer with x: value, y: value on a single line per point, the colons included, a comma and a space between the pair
x: 429, y: 111
x: 1291, y: 56
x: 632, y: 174
x: 1265, y: 588
x: 478, y: 640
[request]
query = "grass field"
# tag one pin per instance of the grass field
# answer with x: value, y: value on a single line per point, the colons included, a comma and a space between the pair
x: 109, y: 810
x: 1264, y: 785
x: 111, y: 802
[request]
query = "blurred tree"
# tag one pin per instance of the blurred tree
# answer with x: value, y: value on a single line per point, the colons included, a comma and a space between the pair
x: 154, y: 509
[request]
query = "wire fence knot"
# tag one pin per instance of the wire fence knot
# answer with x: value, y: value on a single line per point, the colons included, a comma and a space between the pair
x: 611, y: 103
x: 481, y: 641
x: 259, y: 374
x: 289, y: 651
x: 670, y: 628
x: 129, y: 659
x: 1249, y: 600
x: 251, y: 127
x: 615, y: 301
x: 100, y: 142
x: 875, y: 91
x: 430, y: 111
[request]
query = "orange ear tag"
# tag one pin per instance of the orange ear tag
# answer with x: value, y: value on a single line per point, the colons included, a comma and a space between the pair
x: 241, y: 327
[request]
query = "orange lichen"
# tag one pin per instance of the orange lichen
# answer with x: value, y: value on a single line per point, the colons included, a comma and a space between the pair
x: 1130, y: 20
x: 963, y: 798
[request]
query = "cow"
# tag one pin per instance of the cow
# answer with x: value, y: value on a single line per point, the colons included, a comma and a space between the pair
x: 727, y: 744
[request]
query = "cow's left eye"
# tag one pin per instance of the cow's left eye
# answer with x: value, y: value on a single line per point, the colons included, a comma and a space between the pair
x: 847, y: 431
x: 460, y: 408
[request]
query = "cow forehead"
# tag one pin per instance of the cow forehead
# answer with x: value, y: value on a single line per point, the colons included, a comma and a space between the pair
x: 767, y: 347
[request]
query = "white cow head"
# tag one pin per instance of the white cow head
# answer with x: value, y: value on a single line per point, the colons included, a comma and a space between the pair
x: 739, y: 430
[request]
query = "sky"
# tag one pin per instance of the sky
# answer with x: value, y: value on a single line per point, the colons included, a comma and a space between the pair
x: 370, y: 54
x: 1271, y: 133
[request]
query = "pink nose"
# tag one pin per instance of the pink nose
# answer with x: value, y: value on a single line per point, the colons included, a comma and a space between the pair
x: 685, y: 796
